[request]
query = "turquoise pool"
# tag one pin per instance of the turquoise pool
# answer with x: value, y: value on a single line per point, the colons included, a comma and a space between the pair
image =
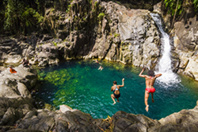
x: 80, y: 85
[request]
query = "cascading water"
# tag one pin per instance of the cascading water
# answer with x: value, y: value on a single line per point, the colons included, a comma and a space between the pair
x: 164, y: 65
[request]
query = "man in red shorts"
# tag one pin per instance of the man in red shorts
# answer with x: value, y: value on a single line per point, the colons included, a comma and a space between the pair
x: 150, y: 80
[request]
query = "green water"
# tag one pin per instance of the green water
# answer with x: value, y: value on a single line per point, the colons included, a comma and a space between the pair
x: 80, y: 85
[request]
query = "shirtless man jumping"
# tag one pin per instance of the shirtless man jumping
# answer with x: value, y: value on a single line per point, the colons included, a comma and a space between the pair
x: 150, y: 80
x: 116, y: 93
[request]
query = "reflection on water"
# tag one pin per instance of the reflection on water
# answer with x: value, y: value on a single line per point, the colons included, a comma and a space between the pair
x: 80, y: 85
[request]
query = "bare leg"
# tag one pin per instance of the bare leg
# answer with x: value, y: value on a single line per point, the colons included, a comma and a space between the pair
x: 152, y: 97
x: 113, y: 98
x: 118, y: 100
x: 146, y: 100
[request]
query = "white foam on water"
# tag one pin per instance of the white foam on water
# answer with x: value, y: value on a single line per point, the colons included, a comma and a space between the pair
x: 164, y: 65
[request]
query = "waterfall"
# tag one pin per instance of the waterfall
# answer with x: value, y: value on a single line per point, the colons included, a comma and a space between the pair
x: 164, y: 65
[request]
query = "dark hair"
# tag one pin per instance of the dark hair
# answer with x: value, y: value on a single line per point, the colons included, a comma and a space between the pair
x: 151, y: 73
x: 114, y: 82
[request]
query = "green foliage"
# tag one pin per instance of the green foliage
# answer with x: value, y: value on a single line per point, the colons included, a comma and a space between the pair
x: 30, y: 14
x: 55, y: 44
x: 176, y: 7
x: 20, y: 16
x: 95, y: 4
x: 52, y: 10
x: 90, y: 1
x: 116, y: 35
x: 100, y: 16
x: 68, y: 8
x: 171, y: 5
x: 195, y: 2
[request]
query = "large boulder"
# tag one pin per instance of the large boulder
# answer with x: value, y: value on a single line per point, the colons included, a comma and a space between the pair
x: 123, y: 121
x: 185, y: 120
x: 14, y: 85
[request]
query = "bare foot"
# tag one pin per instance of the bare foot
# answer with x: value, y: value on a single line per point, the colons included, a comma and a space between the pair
x: 147, y: 108
x: 153, y: 100
x: 114, y: 103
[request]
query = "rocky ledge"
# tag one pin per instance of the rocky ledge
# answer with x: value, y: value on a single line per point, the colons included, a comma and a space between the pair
x: 19, y: 112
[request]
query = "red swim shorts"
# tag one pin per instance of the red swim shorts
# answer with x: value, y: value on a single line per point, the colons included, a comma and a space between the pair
x: 150, y: 90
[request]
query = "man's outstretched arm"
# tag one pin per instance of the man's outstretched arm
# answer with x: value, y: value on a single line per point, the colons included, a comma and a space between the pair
x: 140, y: 75
x: 158, y: 75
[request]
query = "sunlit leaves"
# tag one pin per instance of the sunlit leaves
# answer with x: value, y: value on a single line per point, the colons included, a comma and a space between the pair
x: 171, y: 5
x: 176, y: 7
x: 195, y: 2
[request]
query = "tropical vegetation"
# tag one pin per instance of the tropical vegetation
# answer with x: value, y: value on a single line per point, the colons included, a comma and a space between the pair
x: 25, y: 16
